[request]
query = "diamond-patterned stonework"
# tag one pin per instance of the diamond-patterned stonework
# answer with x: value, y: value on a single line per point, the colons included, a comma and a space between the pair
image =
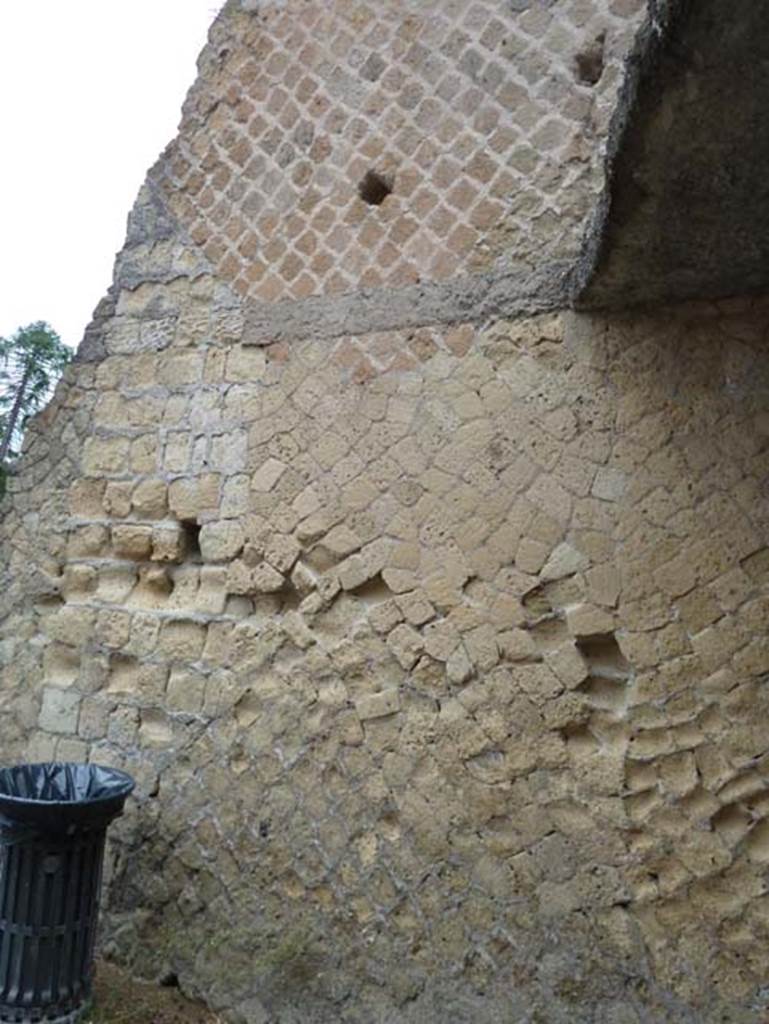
x: 484, y: 118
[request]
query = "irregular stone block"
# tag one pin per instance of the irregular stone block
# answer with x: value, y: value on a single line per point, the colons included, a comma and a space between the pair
x: 281, y: 551
x: 59, y: 711
x: 221, y: 541
x: 132, y: 541
x: 378, y: 705
x: 149, y: 499
x: 168, y: 544
x: 406, y: 644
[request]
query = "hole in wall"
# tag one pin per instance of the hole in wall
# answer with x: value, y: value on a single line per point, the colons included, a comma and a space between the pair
x: 603, y: 655
x: 608, y: 694
x: 374, y: 188
x: 169, y: 980
x: 373, y: 591
x: 191, y: 531
x: 589, y: 63
x: 579, y: 739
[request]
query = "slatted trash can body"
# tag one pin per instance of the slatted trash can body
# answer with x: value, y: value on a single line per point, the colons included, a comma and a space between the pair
x: 53, y: 824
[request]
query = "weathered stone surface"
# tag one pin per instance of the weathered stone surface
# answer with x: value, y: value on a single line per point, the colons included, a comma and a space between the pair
x: 441, y: 674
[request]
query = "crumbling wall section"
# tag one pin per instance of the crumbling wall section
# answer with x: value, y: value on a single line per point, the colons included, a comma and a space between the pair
x: 427, y: 648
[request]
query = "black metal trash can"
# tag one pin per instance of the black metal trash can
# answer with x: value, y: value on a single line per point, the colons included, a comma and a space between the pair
x: 53, y: 822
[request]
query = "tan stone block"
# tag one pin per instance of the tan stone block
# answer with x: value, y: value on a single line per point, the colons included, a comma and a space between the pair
x: 59, y: 711
x: 115, y: 582
x: 132, y: 541
x: 72, y: 625
x: 155, y: 728
x: 61, y: 664
x: 268, y: 475
x: 181, y: 640
x: 678, y: 773
x: 297, y: 630
x: 85, y: 498
x: 176, y: 453
x: 536, y: 680
x: 117, y: 497
x: 676, y: 577
x: 145, y: 628
x: 112, y: 628
x: 587, y: 619
x: 41, y: 747
x: 703, y: 853
x: 415, y: 607
x: 177, y: 369
x: 378, y: 705
x: 168, y: 544
x: 149, y: 499
x: 129, y: 677
x: 459, y: 667
x: 245, y: 365
x: 341, y: 541
x: 88, y: 542
x: 306, y: 502
x: 185, y: 690
x: 565, y: 560
x: 568, y: 664
x: 302, y: 579
x: 185, y: 586
x: 531, y: 555
x: 401, y: 580
x: 506, y: 612
x: 757, y: 844
x: 698, y: 609
x: 191, y: 497
x: 236, y: 496
x: 260, y: 579
x: 281, y: 551
x: 545, y: 528
x: 94, y: 715
x: 360, y: 494
x: 110, y: 410
x: 144, y: 454
x: 609, y: 484
x: 123, y: 726
x: 221, y: 541
x: 753, y: 660
x: 105, y: 455
x: 516, y: 645
x: 328, y: 586
x: 71, y: 750
x: 211, y: 596
x: 406, y: 644
x: 754, y: 614
x: 359, y: 569
x: 715, y: 644
x: 385, y: 616
x: 228, y: 452
x: 550, y: 499
x: 482, y: 647
x: 603, y: 584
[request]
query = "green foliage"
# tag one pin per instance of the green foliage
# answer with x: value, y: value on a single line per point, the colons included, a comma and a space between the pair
x: 31, y: 361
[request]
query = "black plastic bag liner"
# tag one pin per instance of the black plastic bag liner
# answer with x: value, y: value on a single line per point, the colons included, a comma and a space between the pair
x: 53, y: 825
x: 55, y: 796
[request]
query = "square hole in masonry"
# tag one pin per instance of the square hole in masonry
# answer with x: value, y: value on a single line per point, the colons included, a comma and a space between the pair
x: 191, y: 531
x: 374, y: 188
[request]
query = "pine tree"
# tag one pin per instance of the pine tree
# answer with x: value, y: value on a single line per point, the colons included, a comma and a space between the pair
x: 31, y: 361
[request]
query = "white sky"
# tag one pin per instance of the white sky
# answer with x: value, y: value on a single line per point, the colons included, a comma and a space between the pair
x: 90, y: 93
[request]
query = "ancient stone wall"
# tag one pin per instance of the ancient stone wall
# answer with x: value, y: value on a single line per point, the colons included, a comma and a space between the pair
x: 437, y: 644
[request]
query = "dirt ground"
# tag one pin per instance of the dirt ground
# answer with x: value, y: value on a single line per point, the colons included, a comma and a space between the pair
x: 119, y: 999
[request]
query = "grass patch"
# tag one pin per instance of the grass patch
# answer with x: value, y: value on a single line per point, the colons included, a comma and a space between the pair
x: 121, y: 999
